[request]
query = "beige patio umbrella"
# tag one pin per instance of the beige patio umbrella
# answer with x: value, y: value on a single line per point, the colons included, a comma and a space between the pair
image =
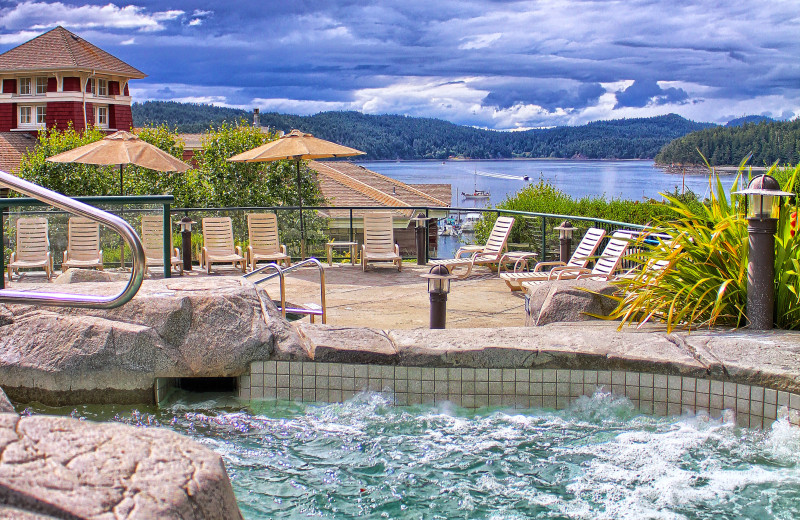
x: 296, y: 146
x: 122, y: 148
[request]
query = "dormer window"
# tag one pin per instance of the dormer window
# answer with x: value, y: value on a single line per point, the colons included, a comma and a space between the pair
x: 41, y: 85
x: 24, y: 86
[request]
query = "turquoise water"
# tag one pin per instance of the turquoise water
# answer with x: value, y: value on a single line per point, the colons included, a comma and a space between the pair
x: 597, y: 460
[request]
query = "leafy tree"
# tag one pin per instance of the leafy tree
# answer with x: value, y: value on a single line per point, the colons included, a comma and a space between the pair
x: 69, y: 179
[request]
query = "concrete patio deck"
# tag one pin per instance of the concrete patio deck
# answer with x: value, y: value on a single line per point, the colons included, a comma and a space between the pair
x: 379, y: 298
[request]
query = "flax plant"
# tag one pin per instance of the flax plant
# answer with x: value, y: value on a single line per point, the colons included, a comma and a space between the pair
x: 698, y: 277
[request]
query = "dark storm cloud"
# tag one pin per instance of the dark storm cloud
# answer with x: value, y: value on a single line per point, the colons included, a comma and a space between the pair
x: 499, y: 64
x: 643, y: 93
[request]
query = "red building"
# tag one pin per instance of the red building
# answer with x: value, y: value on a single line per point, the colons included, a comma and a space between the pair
x: 59, y: 78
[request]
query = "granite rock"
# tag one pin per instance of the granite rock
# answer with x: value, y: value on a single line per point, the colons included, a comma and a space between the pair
x: 58, y: 467
x: 211, y: 327
x: 569, y: 301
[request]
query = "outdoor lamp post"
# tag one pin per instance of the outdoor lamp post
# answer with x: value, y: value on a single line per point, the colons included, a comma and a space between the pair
x: 186, y: 241
x: 422, y: 225
x: 565, y: 230
x: 438, y: 286
x: 763, y: 205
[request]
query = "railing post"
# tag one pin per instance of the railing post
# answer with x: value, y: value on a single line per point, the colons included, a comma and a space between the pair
x: 3, y: 246
x: 543, y: 258
x: 351, y: 224
x: 427, y: 237
x: 167, y: 240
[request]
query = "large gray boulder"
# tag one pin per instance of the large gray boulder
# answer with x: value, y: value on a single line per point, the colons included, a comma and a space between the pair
x: 203, y: 327
x: 58, y: 467
x: 568, y: 300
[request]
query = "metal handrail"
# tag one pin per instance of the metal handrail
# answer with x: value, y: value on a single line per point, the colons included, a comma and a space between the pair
x: 280, y: 273
x: 84, y: 210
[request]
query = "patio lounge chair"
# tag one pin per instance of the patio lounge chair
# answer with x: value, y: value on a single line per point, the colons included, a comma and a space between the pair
x: 153, y: 244
x: 265, y: 244
x: 379, y: 243
x: 604, y: 269
x: 33, y: 247
x: 583, y: 253
x: 83, y: 244
x: 218, y: 245
x: 488, y: 255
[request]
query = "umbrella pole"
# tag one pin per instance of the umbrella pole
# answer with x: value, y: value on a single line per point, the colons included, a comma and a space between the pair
x: 302, y: 225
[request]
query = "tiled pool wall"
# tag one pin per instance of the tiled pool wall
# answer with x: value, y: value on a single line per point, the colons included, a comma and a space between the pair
x: 662, y: 395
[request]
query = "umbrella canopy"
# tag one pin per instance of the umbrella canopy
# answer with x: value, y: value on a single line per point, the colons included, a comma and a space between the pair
x: 122, y: 148
x: 296, y: 146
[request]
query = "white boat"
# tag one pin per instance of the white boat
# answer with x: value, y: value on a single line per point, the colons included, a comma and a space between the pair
x: 476, y: 195
x: 468, y: 224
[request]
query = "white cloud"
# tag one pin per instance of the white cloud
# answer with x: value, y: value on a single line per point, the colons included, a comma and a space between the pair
x: 46, y: 15
x: 195, y: 21
x: 480, y: 41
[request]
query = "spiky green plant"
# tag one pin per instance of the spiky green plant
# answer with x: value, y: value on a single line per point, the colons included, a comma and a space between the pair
x: 706, y: 281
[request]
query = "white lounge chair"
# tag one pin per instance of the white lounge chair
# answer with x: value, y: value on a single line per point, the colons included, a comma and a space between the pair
x: 218, y: 246
x: 153, y: 244
x: 83, y: 245
x: 487, y: 255
x: 604, y: 269
x: 33, y: 247
x: 265, y: 243
x: 583, y: 253
x: 379, y: 243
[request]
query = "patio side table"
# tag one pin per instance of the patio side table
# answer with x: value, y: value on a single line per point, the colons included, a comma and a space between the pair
x: 353, y: 250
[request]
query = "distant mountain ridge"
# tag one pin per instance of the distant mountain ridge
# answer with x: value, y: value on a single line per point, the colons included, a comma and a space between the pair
x: 402, y: 137
x: 739, y: 121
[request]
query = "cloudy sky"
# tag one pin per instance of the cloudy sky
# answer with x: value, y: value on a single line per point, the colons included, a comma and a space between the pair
x: 488, y: 63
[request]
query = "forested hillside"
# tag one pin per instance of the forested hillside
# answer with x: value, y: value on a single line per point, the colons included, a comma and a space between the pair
x: 768, y: 142
x: 401, y: 137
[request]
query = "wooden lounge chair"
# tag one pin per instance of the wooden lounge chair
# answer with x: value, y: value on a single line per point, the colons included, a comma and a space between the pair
x: 153, y: 244
x: 33, y: 247
x: 265, y: 244
x: 488, y: 255
x: 83, y: 245
x: 583, y: 253
x: 379, y: 243
x: 218, y: 245
x: 604, y: 269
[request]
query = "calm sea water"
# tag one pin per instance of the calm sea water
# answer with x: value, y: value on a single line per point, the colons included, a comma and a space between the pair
x: 633, y: 180
x: 597, y: 460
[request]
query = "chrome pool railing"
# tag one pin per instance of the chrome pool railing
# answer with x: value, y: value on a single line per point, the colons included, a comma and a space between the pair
x: 280, y: 272
x: 84, y: 210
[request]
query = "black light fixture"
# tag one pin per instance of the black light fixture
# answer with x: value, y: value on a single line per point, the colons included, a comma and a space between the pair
x: 763, y: 206
x: 438, y: 287
x: 186, y: 241
x: 565, y: 230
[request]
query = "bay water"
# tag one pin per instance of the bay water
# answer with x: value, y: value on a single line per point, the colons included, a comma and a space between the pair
x: 630, y: 180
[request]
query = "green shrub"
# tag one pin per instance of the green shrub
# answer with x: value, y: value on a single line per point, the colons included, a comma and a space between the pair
x: 706, y: 284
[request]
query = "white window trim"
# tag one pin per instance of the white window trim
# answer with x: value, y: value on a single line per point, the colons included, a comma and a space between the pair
x: 33, y: 125
x: 97, y: 122
x: 36, y: 112
x: 103, y: 82
x: 37, y: 85
x: 30, y: 86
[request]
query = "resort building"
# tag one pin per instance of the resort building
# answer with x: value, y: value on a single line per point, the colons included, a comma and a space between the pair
x: 55, y: 80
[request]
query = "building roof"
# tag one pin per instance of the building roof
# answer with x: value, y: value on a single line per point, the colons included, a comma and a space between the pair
x: 347, y: 184
x: 59, y: 49
x: 12, y: 146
